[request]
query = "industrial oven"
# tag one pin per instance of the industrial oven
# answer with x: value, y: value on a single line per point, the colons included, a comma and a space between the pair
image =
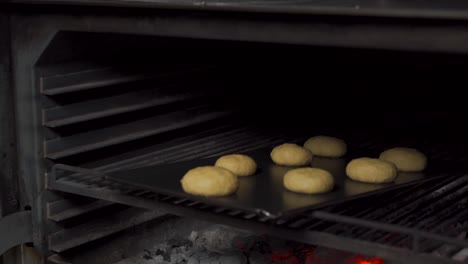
x: 89, y: 88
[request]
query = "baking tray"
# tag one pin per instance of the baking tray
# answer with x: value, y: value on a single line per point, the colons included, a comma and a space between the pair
x: 262, y: 193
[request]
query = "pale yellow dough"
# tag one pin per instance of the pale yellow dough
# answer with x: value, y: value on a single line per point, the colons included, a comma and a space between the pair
x: 371, y: 170
x: 308, y: 180
x: 405, y: 159
x: 210, y: 181
x: 291, y: 155
x: 240, y: 165
x: 325, y: 146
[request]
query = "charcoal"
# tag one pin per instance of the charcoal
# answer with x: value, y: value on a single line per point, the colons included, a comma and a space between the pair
x: 259, y: 258
x: 233, y: 258
x: 164, y: 254
x: 461, y: 256
x: 220, y: 245
x: 207, y: 257
x: 178, y: 242
x: 177, y: 258
x: 193, y: 236
x: 202, y: 257
x: 244, y: 242
x: 215, y: 239
x: 158, y: 259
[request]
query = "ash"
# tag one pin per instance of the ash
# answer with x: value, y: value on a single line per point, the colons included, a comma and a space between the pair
x: 221, y: 245
x: 212, y: 245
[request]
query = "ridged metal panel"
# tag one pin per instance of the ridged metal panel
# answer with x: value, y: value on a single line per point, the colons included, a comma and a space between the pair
x: 69, y: 238
x: 149, y: 110
x: 92, y: 140
x: 114, y: 105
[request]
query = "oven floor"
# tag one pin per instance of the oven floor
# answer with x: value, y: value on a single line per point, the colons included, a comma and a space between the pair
x: 149, y: 243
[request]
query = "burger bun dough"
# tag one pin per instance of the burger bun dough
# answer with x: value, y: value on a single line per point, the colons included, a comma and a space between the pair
x: 325, y: 146
x: 209, y: 181
x: 371, y: 170
x: 405, y: 159
x: 240, y: 165
x: 291, y: 155
x: 308, y: 180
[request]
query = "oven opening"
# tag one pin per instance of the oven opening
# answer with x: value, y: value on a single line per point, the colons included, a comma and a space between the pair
x: 111, y: 102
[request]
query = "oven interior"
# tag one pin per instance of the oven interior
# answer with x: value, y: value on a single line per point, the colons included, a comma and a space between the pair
x: 111, y: 102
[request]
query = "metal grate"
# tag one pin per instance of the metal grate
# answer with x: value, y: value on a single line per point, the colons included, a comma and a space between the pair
x: 204, y: 144
x: 416, y: 222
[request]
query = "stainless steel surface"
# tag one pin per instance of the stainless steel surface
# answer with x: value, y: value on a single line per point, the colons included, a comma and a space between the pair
x: 262, y: 193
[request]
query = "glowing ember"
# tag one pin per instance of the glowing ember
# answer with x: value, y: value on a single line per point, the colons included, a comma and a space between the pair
x: 296, y: 256
x: 288, y: 252
x: 370, y: 261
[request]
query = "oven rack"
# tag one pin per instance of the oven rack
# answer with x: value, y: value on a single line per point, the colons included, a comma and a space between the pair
x: 422, y: 223
x: 345, y: 229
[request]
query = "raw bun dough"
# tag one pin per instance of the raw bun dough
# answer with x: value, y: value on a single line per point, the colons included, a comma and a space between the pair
x: 324, y: 146
x: 240, y: 165
x: 405, y: 159
x: 210, y: 181
x: 308, y: 180
x: 371, y: 170
x: 291, y: 155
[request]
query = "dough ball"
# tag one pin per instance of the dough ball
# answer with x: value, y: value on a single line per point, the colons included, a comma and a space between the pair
x: 324, y: 146
x: 371, y: 170
x: 240, y: 165
x: 210, y: 181
x: 291, y: 155
x: 405, y: 159
x: 308, y: 180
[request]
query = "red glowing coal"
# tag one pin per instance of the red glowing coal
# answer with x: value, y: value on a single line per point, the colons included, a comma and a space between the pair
x: 304, y: 257
x: 297, y: 253
x: 361, y: 260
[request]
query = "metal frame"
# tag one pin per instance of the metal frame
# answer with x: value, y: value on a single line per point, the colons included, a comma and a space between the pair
x: 17, y: 229
x: 392, y: 8
x: 27, y: 46
x: 339, y: 31
x: 9, y: 190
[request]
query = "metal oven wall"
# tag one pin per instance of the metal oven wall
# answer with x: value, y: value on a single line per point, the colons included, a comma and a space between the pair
x: 32, y: 31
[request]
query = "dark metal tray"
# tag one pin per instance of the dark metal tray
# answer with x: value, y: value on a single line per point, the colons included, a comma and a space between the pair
x: 262, y: 193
